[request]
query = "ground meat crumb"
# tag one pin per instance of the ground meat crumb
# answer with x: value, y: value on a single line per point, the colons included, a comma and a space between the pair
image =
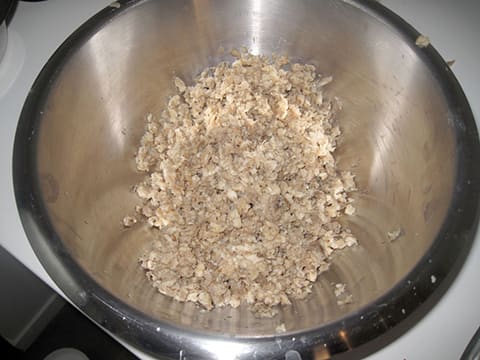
x: 129, y: 221
x: 342, y: 295
x: 280, y: 328
x: 395, y: 234
x: 242, y: 189
x: 422, y: 41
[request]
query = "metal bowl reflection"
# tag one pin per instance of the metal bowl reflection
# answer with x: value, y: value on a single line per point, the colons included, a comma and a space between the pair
x: 409, y: 136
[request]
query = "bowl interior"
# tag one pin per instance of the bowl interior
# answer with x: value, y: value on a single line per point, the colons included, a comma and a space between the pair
x: 398, y: 140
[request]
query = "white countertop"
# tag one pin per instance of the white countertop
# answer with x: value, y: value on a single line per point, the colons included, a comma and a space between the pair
x: 37, y: 29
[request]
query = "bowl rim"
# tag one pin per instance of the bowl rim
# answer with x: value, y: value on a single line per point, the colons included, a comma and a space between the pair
x: 364, y: 330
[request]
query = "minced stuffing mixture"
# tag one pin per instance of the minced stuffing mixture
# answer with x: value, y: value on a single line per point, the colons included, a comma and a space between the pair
x: 242, y: 190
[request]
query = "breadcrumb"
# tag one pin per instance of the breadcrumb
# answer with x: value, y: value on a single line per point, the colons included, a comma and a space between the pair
x: 342, y: 295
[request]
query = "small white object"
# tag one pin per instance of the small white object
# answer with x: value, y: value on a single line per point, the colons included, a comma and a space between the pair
x: 422, y: 41
x: 66, y: 354
x: 280, y: 328
x: 395, y: 234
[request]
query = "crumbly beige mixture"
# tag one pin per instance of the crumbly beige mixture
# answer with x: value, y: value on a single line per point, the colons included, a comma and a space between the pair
x: 242, y: 189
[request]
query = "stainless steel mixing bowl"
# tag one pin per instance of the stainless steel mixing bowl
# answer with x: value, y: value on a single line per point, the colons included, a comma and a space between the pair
x: 409, y: 136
